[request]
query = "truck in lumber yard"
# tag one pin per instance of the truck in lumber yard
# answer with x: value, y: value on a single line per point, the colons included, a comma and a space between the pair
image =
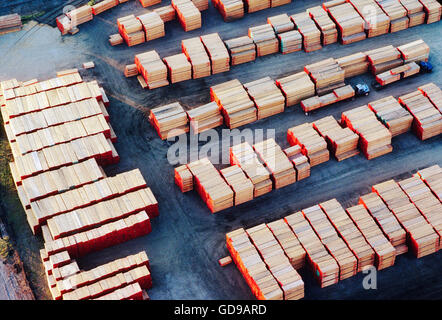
x: 405, y: 71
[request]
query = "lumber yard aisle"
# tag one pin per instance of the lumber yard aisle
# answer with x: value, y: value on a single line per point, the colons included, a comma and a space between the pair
x: 186, y: 240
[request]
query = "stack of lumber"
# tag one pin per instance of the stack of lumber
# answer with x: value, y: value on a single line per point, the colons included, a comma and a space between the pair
x: 249, y: 262
x: 80, y: 15
x: 313, y: 146
x: 433, y: 9
x: 290, y: 41
x: 397, y: 14
x: 230, y: 9
x: 63, y: 24
x: 166, y: 13
x: 153, y: 25
x: 376, y: 21
x: 218, y: 54
x: 240, y: 184
x: 277, y: 162
x: 316, y: 102
x: 244, y: 156
x: 433, y: 93
x: 327, y: 75
x: 169, y: 120
x: 267, y: 97
x: 281, y: 23
x: 184, y: 178
x: 211, y: 187
x: 148, y: 3
x: 300, y: 162
x: 179, y: 68
x: 342, y: 142
x: 131, y: 30
x: 237, y: 107
x: 383, y: 59
x: 398, y: 73
x: 422, y: 239
x: 349, y: 22
x: 384, y: 250
x: 256, y: 5
x: 432, y: 177
x: 289, y: 243
x: 277, y: 3
x: 323, y: 265
x: 277, y: 262
x: 348, y: 264
x: 194, y: 50
x: 130, y: 70
x: 307, y: 28
x: 103, y: 6
x: 375, y: 139
x: 296, y: 87
x: 10, y: 23
x: 350, y: 233
x: 188, y: 14
x: 415, y: 12
x: 415, y: 51
x: 152, y: 68
x: 201, y: 4
x: 325, y: 24
x: 241, y: 50
x: 205, y: 117
x: 427, y: 121
x: 129, y: 292
x: 425, y: 201
x: 392, y: 115
x: 386, y: 221
x: 265, y: 39
x: 115, y: 39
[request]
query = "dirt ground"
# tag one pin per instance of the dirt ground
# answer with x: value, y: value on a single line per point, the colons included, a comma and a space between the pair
x: 187, y: 241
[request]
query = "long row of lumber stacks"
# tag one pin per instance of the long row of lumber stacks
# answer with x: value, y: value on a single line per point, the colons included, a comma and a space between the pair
x: 241, y: 50
x: 230, y: 9
x: 327, y: 75
x: 152, y: 69
x: 267, y: 97
x: 329, y: 32
x: 376, y: 21
x: 169, y: 120
x: 10, y: 23
x: 351, y: 25
x: 265, y: 39
x: 194, y: 50
x: 311, y: 35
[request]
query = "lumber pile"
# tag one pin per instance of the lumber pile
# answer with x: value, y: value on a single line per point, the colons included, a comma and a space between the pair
x: 115, y: 39
x: 433, y: 93
x: 384, y: 250
x: 397, y: 73
x: 375, y: 139
x: 342, y: 142
x: 63, y: 24
x: 131, y: 30
x: 240, y: 184
x: 188, y: 14
x: 384, y: 218
x: 153, y: 25
x: 261, y: 282
x: 289, y: 243
x: 211, y: 187
x: 277, y: 3
x: 267, y: 97
x: 329, y: 32
x: 241, y: 50
x: 313, y: 146
x: 277, y: 262
x: 218, y: 54
x: 148, y: 3
x: 290, y: 41
x: 152, y: 68
x: 422, y: 239
x: 414, y: 51
x: 432, y: 177
x: 307, y: 28
x: 327, y: 75
x: 323, y: 265
x: 316, y: 102
x: 10, y: 23
x: 281, y: 23
x: 103, y: 6
x: 244, y: 156
x: 256, y: 5
x: 427, y: 121
x: 166, y: 13
x: 415, y: 12
x: 179, y: 68
x: 397, y: 14
x: 237, y: 107
x: 80, y: 15
x: 169, y: 120
x: 194, y: 50
x: 277, y: 162
x: 130, y: 70
x: 376, y: 21
x: 299, y: 161
x: 265, y: 39
x: 183, y: 178
x: 230, y: 9
x: 201, y: 4
x: 350, y: 24
x: 350, y: 233
x: 296, y: 87
x: 433, y: 10
x: 389, y: 111
x: 205, y: 117
x: 384, y: 59
x: 348, y: 264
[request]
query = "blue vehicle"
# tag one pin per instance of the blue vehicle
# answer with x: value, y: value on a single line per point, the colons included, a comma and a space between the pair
x: 426, y: 67
x: 362, y: 89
